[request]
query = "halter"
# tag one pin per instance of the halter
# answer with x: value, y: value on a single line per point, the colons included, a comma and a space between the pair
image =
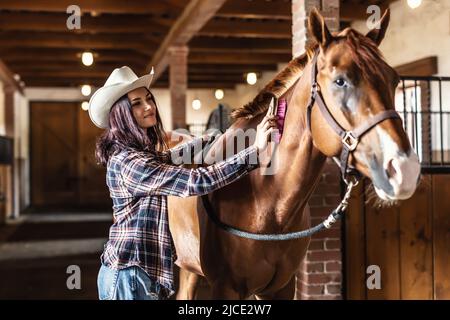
x: 349, y: 139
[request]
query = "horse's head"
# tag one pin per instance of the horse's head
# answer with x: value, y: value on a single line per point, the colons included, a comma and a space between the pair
x: 357, y: 84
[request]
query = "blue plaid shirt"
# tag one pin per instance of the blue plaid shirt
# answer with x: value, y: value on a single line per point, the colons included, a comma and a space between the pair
x: 139, y: 184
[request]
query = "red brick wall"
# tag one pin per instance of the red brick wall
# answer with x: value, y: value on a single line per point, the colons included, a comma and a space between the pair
x: 300, y: 13
x: 178, y: 84
x: 320, y: 275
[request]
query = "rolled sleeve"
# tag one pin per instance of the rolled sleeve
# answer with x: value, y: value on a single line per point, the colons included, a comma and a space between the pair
x: 143, y: 175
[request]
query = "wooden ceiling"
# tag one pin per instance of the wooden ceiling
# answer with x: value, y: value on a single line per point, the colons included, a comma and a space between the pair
x: 241, y: 36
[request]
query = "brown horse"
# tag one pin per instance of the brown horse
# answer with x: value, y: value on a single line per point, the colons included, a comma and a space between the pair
x: 356, y: 84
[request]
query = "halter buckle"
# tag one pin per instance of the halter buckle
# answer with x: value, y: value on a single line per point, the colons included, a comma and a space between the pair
x: 315, y: 88
x: 350, y: 141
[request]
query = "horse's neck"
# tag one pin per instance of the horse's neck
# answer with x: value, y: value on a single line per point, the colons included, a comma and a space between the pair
x: 299, y: 162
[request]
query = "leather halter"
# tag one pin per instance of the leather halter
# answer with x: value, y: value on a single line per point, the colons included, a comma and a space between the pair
x: 349, y: 139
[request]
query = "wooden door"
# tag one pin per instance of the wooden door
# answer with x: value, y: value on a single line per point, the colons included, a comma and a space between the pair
x: 54, y: 154
x: 63, y: 169
x: 410, y: 243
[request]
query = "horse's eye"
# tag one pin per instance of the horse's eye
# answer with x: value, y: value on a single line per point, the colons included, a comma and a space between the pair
x: 340, y: 82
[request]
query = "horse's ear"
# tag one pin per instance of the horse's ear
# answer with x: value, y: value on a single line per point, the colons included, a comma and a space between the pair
x: 319, y: 29
x: 377, y: 34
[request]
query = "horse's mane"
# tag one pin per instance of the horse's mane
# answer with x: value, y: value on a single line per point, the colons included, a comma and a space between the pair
x: 276, y: 87
x: 365, y: 54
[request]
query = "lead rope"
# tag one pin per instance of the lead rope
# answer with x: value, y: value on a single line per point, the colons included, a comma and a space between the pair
x: 334, y: 216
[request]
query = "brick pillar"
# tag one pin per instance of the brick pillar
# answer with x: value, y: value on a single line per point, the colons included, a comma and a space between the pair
x: 178, y: 84
x: 300, y: 12
x: 320, y: 274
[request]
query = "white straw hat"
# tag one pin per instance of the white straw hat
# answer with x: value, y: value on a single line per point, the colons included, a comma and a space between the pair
x: 120, y: 82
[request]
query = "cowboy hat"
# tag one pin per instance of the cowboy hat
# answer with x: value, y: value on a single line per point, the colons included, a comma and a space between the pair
x: 120, y: 82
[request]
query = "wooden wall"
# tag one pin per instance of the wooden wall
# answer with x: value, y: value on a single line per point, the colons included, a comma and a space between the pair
x: 410, y: 243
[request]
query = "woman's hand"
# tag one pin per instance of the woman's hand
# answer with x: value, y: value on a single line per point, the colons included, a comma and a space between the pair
x: 264, y: 130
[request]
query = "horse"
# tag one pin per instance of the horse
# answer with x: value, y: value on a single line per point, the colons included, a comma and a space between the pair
x: 356, y: 84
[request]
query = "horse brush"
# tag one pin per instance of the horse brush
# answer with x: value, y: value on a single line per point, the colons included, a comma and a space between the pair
x: 279, y: 108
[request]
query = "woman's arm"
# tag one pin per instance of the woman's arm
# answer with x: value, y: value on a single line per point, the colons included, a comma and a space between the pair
x: 144, y: 176
x: 188, y: 150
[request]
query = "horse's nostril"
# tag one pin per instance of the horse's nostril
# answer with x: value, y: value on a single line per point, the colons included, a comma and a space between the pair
x: 390, y: 169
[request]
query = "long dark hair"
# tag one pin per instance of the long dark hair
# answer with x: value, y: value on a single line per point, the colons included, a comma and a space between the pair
x: 124, y: 132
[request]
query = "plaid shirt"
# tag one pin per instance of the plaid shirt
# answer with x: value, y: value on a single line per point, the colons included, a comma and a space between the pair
x: 139, y: 184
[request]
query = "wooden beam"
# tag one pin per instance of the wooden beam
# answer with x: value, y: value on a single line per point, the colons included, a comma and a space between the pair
x: 211, y: 85
x: 237, y: 77
x: 31, y: 66
x: 226, y: 45
x: 99, y: 75
x: 56, y: 22
x: 238, y: 58
x: 70, y: 40
x: 196, y: 14
x: 91, y: 74
x: 32, y: 82
x: 248, y: 29
x: 58, y: 72
x: 40, y: 82
x: 219, y: 69
x: 281, y: 10
x: 166, y: 7
x: 7, y: 77
x: 244, y: 9
x: 201, y: 84
x: 423, y: 67
x: 15, y: 56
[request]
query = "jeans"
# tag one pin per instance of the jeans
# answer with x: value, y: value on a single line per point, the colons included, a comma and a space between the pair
x: 131, y: 283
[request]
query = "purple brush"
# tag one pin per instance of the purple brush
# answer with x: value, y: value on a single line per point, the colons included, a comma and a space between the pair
x: 281, y: 113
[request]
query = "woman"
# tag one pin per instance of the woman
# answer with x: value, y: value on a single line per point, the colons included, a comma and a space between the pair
x: 137, y: 260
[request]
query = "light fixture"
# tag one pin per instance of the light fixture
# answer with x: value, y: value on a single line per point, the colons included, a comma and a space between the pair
x: 87, y: 58
x: 196, y: 104
x: 86, y: 90
x: 219, y: 94
x: 251, y: 78
x: 413, y: 4
x: 85, y: 105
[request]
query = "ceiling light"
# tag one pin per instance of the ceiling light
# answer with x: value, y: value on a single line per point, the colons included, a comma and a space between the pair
x: 87, y: 58
x: 413, y: 4
x: 219, y: 94
x: 85, y: 105
x: 251, y: 78
x: 196, y: 104
x: 86, y: 90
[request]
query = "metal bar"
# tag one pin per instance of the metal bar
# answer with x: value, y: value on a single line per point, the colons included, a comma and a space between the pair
x: 436, y: 169
x: 441, y: 122
x: 416, y: 131
x: 405, y: 115
x: 429, y: 122
x: 425, y: 78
